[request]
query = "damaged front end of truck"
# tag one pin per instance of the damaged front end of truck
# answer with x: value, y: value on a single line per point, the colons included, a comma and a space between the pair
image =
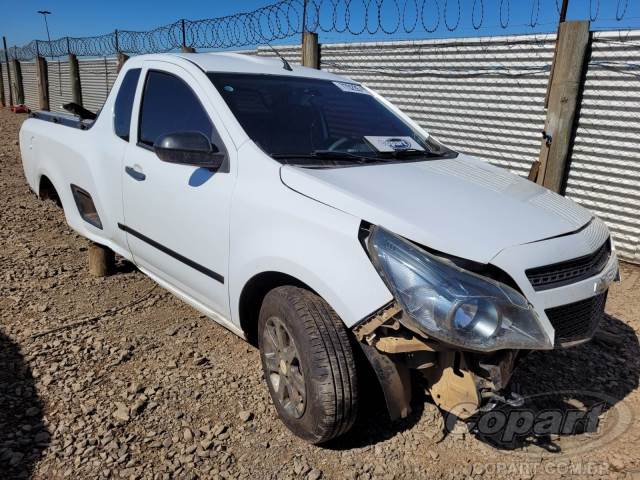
x: 460, y: 382
x: 462, y: 332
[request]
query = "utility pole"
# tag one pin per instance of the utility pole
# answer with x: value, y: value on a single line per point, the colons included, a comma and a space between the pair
x: 44, y: 13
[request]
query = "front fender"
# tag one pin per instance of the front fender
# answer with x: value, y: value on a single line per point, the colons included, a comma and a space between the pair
x: 348, y: 296
x: 276, y: 229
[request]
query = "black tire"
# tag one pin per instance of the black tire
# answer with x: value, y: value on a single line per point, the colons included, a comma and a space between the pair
x: 326, y: 362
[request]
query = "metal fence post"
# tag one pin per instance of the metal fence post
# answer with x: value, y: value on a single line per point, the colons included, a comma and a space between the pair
x: 185, y: 48
x: 565, y: 93
x: 304, y: 20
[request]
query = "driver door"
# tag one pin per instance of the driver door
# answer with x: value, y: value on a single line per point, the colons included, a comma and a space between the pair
x: 176, y: 216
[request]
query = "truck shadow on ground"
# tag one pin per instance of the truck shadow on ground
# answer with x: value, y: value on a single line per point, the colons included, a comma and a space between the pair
x: 572, y: 396
x: 23, y: 435
x: 123, y: 266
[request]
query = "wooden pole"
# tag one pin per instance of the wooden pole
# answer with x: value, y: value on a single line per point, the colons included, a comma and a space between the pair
x: 101, y: 260
x: 74, y: 76
x: 6, y: 59
x: 122, y: 58
x: 310, y: 50
x: 42, y: 76
x: 562, y: 19
x: 565, y: 93
x: 3, y: 100
x: 18, y: 88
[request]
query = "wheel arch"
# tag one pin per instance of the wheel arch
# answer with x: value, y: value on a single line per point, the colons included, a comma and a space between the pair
x: 252, y: 295
x: 48, y: 191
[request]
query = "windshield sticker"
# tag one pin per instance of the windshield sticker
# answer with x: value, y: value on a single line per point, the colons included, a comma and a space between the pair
x: 394, y: 144
x: 350, y: 87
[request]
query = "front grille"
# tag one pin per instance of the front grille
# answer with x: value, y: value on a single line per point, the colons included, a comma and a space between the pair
x: 577, y: 321
x: 570, y: 271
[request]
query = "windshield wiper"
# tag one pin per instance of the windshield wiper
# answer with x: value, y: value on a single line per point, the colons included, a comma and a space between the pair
x: 409, y: 153
x: 327, y: 155
x: 377, y: 157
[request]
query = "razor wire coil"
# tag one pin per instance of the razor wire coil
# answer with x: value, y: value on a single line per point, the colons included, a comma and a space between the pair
x: 286, y: 18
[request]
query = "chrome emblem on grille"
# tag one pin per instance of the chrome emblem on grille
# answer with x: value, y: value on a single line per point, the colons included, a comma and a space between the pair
x: 607, y: 278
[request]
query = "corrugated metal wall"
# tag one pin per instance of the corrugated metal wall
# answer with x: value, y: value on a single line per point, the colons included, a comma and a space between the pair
x: 604, y: 174
x: 30, y: 84
x: 293, y: 53
x: 96, y: 78
x: 59, y: 84
x: 482, y: 96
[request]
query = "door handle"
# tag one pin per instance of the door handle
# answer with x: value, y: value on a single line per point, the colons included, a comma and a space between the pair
x: 135, y: 174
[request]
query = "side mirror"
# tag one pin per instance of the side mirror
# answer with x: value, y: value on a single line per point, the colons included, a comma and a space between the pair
x: 188, y: 148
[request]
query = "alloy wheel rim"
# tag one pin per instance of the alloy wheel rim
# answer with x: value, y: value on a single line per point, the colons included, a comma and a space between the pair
x: 283, y: 367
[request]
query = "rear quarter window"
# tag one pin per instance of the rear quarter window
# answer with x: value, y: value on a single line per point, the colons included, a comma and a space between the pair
x: 124, y: 104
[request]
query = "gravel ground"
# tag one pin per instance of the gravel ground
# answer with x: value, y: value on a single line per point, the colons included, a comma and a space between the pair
x: 153, y: 389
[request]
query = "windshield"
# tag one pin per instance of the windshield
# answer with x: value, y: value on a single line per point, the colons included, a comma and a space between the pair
x: 291, y: 117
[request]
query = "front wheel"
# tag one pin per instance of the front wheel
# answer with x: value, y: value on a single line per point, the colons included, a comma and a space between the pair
x: 308, y: 364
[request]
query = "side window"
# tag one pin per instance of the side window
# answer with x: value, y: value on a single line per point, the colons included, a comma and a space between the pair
x: 124, y: 104
x: 170, y: 106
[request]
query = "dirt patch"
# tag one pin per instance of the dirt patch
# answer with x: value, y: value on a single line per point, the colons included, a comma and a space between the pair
x: 155, y: 390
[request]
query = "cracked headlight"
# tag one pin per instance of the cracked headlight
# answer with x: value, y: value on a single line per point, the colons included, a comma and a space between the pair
x: 451, y: 304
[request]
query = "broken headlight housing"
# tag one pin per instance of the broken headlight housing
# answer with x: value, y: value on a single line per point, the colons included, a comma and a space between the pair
x: 451, y: 304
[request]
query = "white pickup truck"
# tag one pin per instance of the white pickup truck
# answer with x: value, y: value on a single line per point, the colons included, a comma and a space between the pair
x: 308, y: 215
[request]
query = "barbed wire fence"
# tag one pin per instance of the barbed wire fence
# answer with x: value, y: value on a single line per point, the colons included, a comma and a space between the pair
x: 288, y: 18
x: 481, y: 89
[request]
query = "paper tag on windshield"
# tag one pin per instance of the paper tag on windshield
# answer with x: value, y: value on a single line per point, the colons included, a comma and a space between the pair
x: 393, y: 144
x: 350, y: 87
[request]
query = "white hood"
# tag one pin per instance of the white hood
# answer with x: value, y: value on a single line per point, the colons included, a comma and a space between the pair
x: 463, y: 206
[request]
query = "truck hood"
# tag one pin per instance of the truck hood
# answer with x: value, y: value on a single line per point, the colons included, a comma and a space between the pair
x: 462, y: 206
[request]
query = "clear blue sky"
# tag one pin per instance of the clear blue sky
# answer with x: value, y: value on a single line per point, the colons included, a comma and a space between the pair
x: 20, y: 23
